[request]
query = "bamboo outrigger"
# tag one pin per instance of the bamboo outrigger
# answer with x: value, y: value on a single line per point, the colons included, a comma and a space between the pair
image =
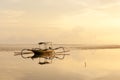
x: 46, y: 51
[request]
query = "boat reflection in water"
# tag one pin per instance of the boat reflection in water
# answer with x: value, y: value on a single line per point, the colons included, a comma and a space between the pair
x: 48, y: 52
x: 101, y: 64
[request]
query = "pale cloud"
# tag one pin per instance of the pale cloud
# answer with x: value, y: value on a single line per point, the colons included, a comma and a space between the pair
x: 9, y: 16
x: 33, y: 18
x: 112, y: 10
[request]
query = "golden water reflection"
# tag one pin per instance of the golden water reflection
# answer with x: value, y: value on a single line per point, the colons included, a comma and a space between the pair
x: 80, y: 65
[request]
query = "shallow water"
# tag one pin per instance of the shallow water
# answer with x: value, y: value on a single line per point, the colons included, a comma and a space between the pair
x: 79, y: 65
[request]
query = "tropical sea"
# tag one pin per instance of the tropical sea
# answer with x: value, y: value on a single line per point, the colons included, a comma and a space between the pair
x: 81, y: 64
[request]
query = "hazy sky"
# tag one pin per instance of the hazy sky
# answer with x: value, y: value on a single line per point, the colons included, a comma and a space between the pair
x: 60, y: 21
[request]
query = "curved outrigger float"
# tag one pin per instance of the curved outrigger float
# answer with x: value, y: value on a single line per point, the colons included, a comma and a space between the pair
x: 45, y: 51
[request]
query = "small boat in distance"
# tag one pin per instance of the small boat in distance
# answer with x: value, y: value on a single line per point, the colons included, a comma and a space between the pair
x: 45, y: 51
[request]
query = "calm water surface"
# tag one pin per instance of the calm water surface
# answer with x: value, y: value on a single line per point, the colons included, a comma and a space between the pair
x: 79, y: 65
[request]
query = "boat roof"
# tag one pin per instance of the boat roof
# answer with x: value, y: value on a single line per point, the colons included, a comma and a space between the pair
x: 44, y: 43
